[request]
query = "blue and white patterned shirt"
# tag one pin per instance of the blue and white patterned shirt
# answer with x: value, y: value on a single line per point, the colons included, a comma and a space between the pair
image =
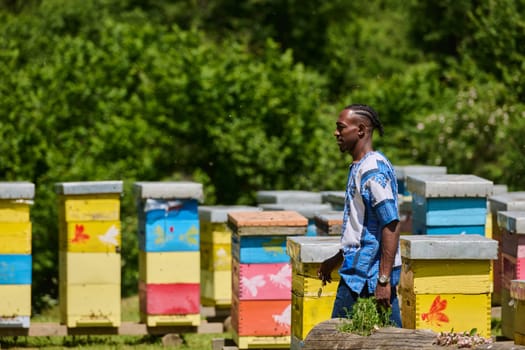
x: 370, y: 204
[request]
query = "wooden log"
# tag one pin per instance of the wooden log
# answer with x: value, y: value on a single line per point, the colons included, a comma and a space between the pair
x: 326, y: 335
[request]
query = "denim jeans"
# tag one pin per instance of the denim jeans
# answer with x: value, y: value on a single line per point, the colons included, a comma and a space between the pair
x: 346, y: 298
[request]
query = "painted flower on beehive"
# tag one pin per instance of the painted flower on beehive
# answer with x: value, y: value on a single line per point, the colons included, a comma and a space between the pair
x: 191, y: 236
x: 283, y: 277
x: 222, y: 258
x: 285, y: 318
x: 110, y: 237
x: 253, y: 284
x: 80, y: 235
x: 435, y: 316
x: 274, y: 245
x: 160, y: 235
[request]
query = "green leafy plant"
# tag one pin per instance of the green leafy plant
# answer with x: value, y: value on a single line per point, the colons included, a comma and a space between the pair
x: 365, y: 317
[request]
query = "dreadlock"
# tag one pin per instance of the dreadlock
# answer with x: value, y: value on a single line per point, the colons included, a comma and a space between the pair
x: 368, y: 112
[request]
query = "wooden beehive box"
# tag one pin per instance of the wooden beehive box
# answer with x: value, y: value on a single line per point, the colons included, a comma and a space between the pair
x: 169, y: 237
x: 89, y: 253
x: 15, y: 253
x: 512, y: 254
x: 517, y: 293
x: 449, y: 204
x: 445, y: 282
x: 216, y: 257
x: 288, y: 196
x: 261, y: 275
x: 510, y: 201
x: 404, y: 171
x: 312, y: 302
x: 329, y: 223
x: 308, y: 210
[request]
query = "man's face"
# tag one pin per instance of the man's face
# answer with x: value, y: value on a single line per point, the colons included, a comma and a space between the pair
x: 346, y: 131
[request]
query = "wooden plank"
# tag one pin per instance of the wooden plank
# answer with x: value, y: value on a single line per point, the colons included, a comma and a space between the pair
x: 47, y: 329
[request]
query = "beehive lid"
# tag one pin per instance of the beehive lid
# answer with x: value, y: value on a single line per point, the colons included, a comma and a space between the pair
x: 219, y: 213
x: 517, y: 289
x: 288, y: 196
x: 448, y: 247
x: 17, y: 190
x: 169, y: 190
x: 512, y: 221
x: 510, y: 201
x: 306, y: 209
x: 449, y: 185
x: 403, y: 171
x: 333, y: 217
x: 335, y: 197
x: 88, y: 187
x: 283, y: 222
x: 312, y: 249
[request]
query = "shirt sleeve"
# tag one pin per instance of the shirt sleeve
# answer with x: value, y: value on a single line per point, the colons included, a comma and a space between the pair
x: 383, y: 199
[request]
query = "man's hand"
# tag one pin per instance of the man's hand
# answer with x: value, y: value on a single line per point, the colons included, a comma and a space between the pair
x: 325, y: 270
x: 383, y: 293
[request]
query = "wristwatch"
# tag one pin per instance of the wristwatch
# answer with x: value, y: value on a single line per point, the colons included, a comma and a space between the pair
x: 383, y: 279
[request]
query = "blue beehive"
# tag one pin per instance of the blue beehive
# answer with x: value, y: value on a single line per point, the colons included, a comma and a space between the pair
x: 168, y: 216
x: 449, y: 204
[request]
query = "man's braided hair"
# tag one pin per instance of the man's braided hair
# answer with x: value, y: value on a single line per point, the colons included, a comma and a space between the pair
x: 368, y: 112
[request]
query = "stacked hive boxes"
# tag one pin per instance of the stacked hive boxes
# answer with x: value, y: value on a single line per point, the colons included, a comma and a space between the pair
x: 404, y: 196
x: 329, y: 223
x: 216, y: 258
x: 445, y: 282
x: 511, y: 201
x: 305, y: 203
x: 512, y: 230
x: 307, y: 210
x: 312, y: 302
x: 261, y: 275
x: 169, y: 259
x: 15, y: 253
x: 449, y: 204
x: 517, y: 293
x: 89, y: 253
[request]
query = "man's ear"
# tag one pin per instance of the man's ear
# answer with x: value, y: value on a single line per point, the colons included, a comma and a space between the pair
x: 362, y: 130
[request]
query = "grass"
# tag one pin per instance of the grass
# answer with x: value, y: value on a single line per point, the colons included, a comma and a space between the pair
x: 129, y: 313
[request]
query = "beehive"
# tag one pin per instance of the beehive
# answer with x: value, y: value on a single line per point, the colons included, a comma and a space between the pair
x: 287, y: 197
x: 512, y: 245
x: 329, y: 223
x: 312, y: 302
x: 308, y: 210
x: 215, y: 252
x: 15, y: 253
x: 89, y: 253
x: 261, y: 276
x: 445, y: 282
x: 169, y: 237
x: 449, y: 204
x: 510, y: 201
x: 517, y: 293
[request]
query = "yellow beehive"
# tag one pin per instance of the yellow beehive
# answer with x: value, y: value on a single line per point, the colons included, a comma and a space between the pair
x: 446, y: 282
x: 12, y: 210
x: 90, y: 236
x: 169, y: 267
x: 170, y: 320
x: 216, y: 254
x: 16, y: 300
x: 446, y: 312
x: 90, y: 305
x: 89, y: 253
x: 15, y: 237
x: 517, y: 293
x: 312, y: 303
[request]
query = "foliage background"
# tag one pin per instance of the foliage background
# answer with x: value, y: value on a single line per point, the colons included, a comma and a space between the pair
x: 242, y: 96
